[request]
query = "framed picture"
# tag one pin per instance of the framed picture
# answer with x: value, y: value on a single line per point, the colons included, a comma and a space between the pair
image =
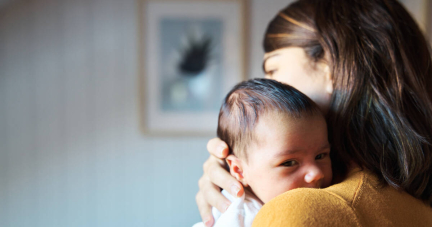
x: 193, y: 53
x: 419, y: 10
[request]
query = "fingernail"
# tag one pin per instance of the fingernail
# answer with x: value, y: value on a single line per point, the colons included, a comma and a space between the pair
x: 227, y: 206
x: 235, y: 190
x: 221, y: 150
x: 208, y: 223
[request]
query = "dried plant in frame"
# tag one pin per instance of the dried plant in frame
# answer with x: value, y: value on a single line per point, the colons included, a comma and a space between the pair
x: 193, y: 53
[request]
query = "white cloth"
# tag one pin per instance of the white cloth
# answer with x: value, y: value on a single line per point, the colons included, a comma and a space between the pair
x: 240, y: 213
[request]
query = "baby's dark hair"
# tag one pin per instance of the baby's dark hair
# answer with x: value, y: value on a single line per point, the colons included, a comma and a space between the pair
x: 249, y: 100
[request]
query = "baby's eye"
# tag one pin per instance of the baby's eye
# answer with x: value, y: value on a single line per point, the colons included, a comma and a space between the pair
x: 289, y: 163
x: 320, y: 156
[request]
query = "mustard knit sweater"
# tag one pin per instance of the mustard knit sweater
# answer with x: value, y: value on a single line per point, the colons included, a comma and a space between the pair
x: 357, y: 201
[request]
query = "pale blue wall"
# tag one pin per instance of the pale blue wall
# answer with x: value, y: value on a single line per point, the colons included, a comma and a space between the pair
x: 71, y: 151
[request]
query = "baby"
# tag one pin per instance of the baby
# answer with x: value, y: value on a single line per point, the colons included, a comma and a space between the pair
x: 277, y: 139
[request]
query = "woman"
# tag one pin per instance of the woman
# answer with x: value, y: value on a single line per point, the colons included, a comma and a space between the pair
x: 368, y: 66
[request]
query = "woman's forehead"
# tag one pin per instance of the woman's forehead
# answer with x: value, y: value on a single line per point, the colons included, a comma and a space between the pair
x: 289, y: 53
x: 283, y: 51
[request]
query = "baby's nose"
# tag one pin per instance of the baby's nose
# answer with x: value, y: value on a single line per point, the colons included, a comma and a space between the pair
x: 314, y: 175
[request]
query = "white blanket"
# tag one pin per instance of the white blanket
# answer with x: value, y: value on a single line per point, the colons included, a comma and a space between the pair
x: 240, y: 213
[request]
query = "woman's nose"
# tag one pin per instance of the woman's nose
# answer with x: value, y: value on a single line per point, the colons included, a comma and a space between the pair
x: 314, y: 175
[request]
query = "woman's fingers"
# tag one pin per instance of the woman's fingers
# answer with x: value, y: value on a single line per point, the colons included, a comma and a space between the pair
x: 204, y: 209
x: 217, y: 148
x: 215, y: 176
x: 212, y: 195
x: 219, y: 176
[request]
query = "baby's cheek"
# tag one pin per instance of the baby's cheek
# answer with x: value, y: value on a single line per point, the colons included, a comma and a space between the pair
x: 328, y: 179
x: 281, y: 186
x: 328, y: 175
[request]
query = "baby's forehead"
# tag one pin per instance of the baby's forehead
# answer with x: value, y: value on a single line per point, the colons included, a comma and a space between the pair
x: 271, y: 122
x: 276, y: 123
x: 279, y: 118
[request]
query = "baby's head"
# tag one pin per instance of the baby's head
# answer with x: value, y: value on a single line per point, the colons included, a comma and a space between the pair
x: 277, y: 138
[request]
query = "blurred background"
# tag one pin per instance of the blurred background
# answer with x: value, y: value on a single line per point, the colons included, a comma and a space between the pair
x: 71, y: 149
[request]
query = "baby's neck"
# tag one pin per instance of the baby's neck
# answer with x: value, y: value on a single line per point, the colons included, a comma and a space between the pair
x: 248, y: 190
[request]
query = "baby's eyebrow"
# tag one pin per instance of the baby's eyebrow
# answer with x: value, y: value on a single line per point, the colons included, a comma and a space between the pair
x: 327, y: 146
x: 287, y: 152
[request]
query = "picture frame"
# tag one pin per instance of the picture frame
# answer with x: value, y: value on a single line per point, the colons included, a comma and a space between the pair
x: 420, y: 10
x: 191, y: 55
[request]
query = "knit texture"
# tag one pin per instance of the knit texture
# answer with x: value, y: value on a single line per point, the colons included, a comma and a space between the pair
x: 357, y: 201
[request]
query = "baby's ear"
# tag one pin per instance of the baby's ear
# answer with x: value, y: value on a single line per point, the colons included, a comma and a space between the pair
x: 236, y: 168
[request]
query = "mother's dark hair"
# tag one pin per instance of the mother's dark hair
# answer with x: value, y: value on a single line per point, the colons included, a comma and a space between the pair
x: 381, y: 114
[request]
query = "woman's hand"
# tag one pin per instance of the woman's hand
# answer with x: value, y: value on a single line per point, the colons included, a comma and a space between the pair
x: 215, y: 177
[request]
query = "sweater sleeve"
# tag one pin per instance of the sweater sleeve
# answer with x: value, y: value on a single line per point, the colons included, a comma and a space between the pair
x: 306, y: 207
